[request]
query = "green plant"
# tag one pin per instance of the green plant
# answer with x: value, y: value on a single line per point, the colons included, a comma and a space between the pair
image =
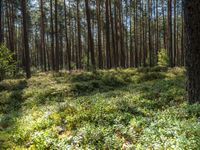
x: 109, y: 109
x: 163, y: 59
x: 151, y: 76
x: 7, y: 63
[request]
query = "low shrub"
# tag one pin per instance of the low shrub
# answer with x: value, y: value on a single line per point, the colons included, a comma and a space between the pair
x: 7, y: 63
x: 151, y: 76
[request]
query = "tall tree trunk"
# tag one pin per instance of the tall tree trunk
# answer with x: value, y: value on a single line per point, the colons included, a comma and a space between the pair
x: 192, y: 30
x: 182, y: 40
x: 170, y: 47
x: 121, y: 26
x: 131, y: 38
x: 61, y: 45
x: 164, y: 25
x: 90, y: 36
x: 157, y: 31
x: 48, y: 55
x: 52, y: 36
x: 56, y: 37
x: 100, y: 57
x: 136, y: 34
x: 25, y: 39
x: 140, y: 34
x: 150, y: 38
x: 43, y: 48
x: 117, y: 35
x: 175, y: 50
x: 108, y: 54
x: 79, y: 38
x: 68, y: 49
x: 113, y: 34
x: 145, y: 37
x: 127, y: 35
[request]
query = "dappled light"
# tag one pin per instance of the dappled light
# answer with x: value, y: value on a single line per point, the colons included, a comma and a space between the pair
x: 100, y: 110
x: 99, y: 75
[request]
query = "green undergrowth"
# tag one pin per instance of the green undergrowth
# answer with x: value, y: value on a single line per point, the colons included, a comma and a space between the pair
x: 111, y: 109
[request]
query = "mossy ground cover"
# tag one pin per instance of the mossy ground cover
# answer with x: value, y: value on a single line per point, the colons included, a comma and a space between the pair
x: 116, y: 109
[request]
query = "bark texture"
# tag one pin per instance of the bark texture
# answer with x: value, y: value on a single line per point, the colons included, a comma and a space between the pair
x: 192, y: 41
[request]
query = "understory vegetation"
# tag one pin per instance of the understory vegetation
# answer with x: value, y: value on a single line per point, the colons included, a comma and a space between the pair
x: 116, y: 109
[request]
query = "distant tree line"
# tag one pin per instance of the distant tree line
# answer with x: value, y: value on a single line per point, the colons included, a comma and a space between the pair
x: 92, y: 34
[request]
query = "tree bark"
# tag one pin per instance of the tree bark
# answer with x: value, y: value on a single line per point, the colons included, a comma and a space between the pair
x: 68, y: 49
x: 108, y: 56
x: 164, y: 26
x: 121, y: 26
x: 131, y: 39
x: 192, y: 31
x: 170, y: 47
x: 90, y: 37
x: 43, y: 48
x: 150, y: 38
x: 25, y: 39
x: 52, y: 36
x: 56, y: 37
x: 175, y: 44
x: 100, y: 57
x: 182, y: 39
x: 79, y: 38
x: 116, y: 35
x: 113, y: 35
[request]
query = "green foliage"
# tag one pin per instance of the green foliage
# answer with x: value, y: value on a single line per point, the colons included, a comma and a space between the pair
x: 163, y: 59
x: 7, y: 64
x: 115, y: 109
x: 86, y: 83
x: 194, y: 110
x: 151, y: 76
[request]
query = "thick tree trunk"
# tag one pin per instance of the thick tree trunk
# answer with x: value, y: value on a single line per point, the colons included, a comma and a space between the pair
x: 68, y: 49
x: 43, y: 48
x: 113, y: 35
x: 175, y: 44
x: 25, y: 39
x: 121, y: 26
x: 90, y: 36
x: 192, y: 30
x: 108, y: 56
x: 100, y: 57
x: 136, y: 34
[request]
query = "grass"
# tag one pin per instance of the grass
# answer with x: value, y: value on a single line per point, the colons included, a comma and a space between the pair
x: 116, y: 109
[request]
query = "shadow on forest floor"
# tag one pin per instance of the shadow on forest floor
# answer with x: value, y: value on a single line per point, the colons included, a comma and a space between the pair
x: 87, y: 83
x: 10, y: 104
x: 107, y: 102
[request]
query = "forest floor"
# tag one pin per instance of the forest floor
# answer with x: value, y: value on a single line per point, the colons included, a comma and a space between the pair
x: 116, y: 109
